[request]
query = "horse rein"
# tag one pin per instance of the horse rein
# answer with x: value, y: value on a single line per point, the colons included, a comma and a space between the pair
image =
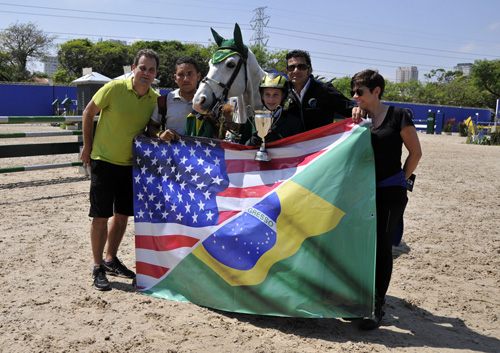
x: 219, y: 102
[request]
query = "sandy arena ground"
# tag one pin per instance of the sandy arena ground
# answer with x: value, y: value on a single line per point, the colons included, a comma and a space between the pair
x: 444, y: 295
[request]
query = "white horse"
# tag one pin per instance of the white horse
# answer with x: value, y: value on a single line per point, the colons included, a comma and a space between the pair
x: 235, y: 73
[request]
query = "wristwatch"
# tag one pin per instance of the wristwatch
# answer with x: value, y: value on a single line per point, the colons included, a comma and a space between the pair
x: 158, y: 134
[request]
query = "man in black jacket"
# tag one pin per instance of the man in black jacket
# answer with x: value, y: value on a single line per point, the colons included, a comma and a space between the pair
x: 316, y: 103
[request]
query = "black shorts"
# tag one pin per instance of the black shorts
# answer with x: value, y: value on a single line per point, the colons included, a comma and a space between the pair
x: 111, y: 189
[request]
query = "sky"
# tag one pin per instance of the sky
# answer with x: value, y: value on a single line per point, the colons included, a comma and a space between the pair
x: 343, y: 37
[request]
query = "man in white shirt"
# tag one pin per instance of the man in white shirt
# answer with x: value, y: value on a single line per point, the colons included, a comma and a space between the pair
x: 179, y: 102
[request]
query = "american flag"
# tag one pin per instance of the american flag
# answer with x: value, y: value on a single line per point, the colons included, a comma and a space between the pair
x: 187, y: 190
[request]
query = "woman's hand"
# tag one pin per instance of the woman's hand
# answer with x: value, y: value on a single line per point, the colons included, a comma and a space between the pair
x: 357, y: 114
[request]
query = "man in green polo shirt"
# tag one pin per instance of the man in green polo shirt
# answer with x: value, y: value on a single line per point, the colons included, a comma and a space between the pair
x: 124, y: 108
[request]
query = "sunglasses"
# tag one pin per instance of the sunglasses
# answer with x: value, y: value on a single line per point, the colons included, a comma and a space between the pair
x: 357, y: 91
x: 301, y: 67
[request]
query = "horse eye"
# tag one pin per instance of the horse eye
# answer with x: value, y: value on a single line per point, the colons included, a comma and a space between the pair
x: 231, y: 64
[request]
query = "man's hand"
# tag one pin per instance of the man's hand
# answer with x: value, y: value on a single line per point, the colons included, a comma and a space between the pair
x: 169, y: 135
x: 85, y: 156
x: 357, y: 114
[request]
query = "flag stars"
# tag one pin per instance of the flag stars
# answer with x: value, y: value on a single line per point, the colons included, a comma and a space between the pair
x: 194, y: 177
x: 208, y: 170
x: 179, y: 179
x: 217, y: 180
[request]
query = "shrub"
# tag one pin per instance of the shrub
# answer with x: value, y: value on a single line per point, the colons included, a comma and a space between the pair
x: 462, y: 129
x: 448, y: 126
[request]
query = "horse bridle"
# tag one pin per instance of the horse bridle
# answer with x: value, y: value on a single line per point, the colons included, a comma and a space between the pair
x: 219, y: 102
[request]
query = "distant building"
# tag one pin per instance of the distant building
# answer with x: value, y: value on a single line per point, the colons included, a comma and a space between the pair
x: 50, y: 65
x: 466, y: 68
x: 406, y: 74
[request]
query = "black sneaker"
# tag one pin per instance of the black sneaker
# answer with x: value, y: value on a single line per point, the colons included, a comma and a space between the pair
x: 100, y: 280
x: 116, y: 268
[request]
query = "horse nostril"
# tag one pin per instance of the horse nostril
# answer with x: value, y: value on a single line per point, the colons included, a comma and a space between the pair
x: 202, y: 99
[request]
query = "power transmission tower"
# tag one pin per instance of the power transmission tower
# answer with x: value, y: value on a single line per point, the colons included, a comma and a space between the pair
x: 258, y: 22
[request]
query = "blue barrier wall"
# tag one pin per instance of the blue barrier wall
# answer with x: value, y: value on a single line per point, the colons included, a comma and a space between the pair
x: 33, y: 100
x: 418, y: 112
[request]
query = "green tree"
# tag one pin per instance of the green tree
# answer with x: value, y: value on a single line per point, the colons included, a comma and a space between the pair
x: 486, y: 75
x: 269, y: 60
x: 169, y: 52
x: 23, y: 42
x: 6, y: 70
x: 453, y: 88
x: 343, y: 84
x: 73, y: 56
x: 108, y: 58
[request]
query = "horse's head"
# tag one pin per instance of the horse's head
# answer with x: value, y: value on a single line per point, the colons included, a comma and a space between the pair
x: 227, y: 75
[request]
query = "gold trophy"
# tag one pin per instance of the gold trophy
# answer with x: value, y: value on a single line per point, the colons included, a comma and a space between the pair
x: 263, y: 120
